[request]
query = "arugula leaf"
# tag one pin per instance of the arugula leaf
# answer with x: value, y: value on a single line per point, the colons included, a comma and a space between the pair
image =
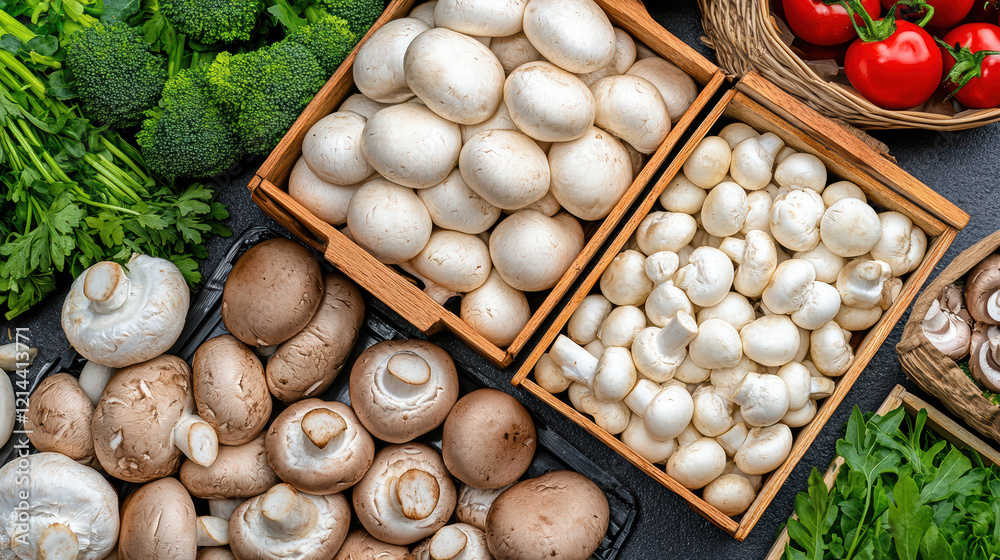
x: 908, y: 518
x: 954, y: 466
x: 815, y: 517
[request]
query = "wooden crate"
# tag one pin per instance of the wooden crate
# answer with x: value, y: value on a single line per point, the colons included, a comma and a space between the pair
x: 845, y: 156
x: 389, y: 285
x: 936, y: 420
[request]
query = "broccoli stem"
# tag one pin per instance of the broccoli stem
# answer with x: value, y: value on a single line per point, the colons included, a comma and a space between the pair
x: 175, y: 58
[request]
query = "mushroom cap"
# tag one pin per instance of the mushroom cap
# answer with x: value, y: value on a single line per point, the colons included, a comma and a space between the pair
x: 624, y: 58
x: 724, y: 210
x: 631, y: 108
x: 731, y: 494
x: 548, y: 103
x: 585, y: 322
x: 487, y: 18
x: 118, y: 316
x: 505, y: 167
x: 709, y: 162
x: 328, y: 201
x: 306, y: 364
x: 850, y: 227
x: 576, y: 35
x: 401, y: 389
x: 272, y: 291
x: 135, y: 418
x: 665, y: 231
x: 458, y: 541
x: 359, y: 545
x: 325, y: 521
x: 764, y: 450
x: 697, y: 463
x: 215, y: 553
x: 489, y: 439
x: 795, y: 219
x: 378, y: 66
x: 456, y: 76
x: 332, y: 149
x: 561, y: 514
x: 319, y: 447
x: 590, y: 173
x: 717, y: 345
x: 388, y: 221
x: 412, y: 146
x: 362, y: 104
x: 624, y: 281
x: 496, y: 311
x: 59, y: 416
x: 230, y: 390
x: 902, y: 244
x: 532, y: 251
x: 406, y: 495
x: 474, y: 504
x: 801, y: 171
x: 159, y: 521
x: 677, y: 89
x: 514, y: 50
x: 453, y: 205
x: 982, y: 283
x: 772, y: 340
x: 63, y: 492
x: 239, y: 471
x: 425, y: 13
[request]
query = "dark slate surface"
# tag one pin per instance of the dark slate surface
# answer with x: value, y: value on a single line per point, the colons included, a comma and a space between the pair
x: 964, y: 166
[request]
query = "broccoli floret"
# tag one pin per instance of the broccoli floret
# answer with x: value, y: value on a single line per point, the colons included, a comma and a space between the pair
x: 329, y: 39
x: 265, y: 90
x: 116, y: 76
x: 213, y: 21
x: 359, y: 14
x: 189, y: 136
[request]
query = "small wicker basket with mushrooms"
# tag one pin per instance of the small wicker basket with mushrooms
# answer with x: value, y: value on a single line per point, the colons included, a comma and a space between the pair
x: 731, y: 312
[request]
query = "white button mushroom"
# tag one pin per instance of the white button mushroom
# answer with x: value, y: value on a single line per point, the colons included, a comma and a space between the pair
x: 850, y: 228
x: 456, y: 76
x: 716, y: 346
x: 724, y: 210
x: 590, y: 173
x: 646, y: 446
x: 624, y: 59
x: 661, y: 266
x: 388, y: 221
x: 763, y: 400
x: 480, y: 17
x: 505, y: 167
x: 411, y: 146
x: 697, y: 463
x: 795, y: 219
x: 736, y: 132
x: 789, y: 286
x: 752, y: 160
x: 378, y: 66
x: 456, y: 261
x: 729, y: 377
x: 609, y: 378
x: 772, y: 340
x: 799, y: 383
x: 496, y: 311
x: 677, y: 89
x: 576, y: 35
x: 707, y: 277
x: 758, y: 213
x: 453, y: 205
x: 731, y: 494
x: 363, y: 105
x: 665, y: 301
x: 547, y: 103
x: 118, y: 318
x: 514, y: 50
x: 611, y: 417
x: 681, y: 195
x: 665, y: 411
x: 865, y: 284
x: 734, y: 309
x: 801, y: 171
x: 586, y: 321
x: 765, y: 449
x: 621, y: 326
x: 532, y: 251
x: 665, y: 231
x: 713, y: 413
x: 709, y: 162
x: 856, y: 319
x: 801, y: 416
x: 826, y: 264
x: 902, y: 244
x: 733, y: 438
x: 830, y: 349
x: 821, y: 305
x: 624, y: 281
x: 332, y: 149
x: 756, y: 259
x: 549, y: 375
x: 658, y: 352
x: 632, y: 109
x: 842, y: 189
x: 328, y: 201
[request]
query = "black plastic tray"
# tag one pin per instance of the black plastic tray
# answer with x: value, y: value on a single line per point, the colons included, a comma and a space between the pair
x: 205, y: 321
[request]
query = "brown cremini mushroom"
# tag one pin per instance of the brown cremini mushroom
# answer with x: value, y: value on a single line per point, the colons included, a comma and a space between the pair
x: 272, y: 292
x: 406, y: 495
x: 284, y: 523
x: 454, y: 542
x: 359, y: 545
x: 982, y: 290
x: 230, y: 390
x: 561, y: 514
x: 59, y: 417
x: 239, y: 471
x: 145, y: 421
x: 319, y: 447
x: 216, y: 553
x: 489, y: 439
x: 474, y: 504
x: 306, y: 364
x: 159, y: 521
x: 402, y: 389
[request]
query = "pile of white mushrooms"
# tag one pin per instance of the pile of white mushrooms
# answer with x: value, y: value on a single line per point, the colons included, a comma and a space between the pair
x: 964, y: 322
x: 485, y: 133
x: 731, y: 312
x: 240, y: 434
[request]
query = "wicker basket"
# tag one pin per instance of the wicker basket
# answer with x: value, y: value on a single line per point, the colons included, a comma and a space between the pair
x: 938, y: 374
x: 747, y: 37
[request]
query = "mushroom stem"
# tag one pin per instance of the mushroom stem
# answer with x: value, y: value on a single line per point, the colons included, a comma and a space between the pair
x: 995, y: 349
x: 213, y: 531
x: 409, y: 368
x: 58, y: 542
x: 674, y: 337
x: 106, y: 286
x: 574, y: 361
x: 196, y: 439
x: 286, y: 513
x: 93, y: 378
x: 641, y: 395
x: 322, y: 425
x: 416, y: 493
x: 448, y: 543
x: 821, y: 387
x: 13, y: 357
x: 992, y: 306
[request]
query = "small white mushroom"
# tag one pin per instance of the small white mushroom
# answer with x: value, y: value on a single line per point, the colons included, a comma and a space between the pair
x: 505, y: 167
x: 795, y: 219
x: 589, y: 173
x: 734, y: 309
x: 800, y: 416
x: 830, y: 349
x: 658, y: 352
x: 624, y: 281
x: 783, y: 154
x: 902, y: 244
x: 729, y: 378
x: 758, y: 213
x: 665, y: 411
x: 611, y: 417
x: 332, y: 149
x: 624, y: 59
x: 724, y: 210
x: 842, y: 189
x: 411, y: 146
x: 713, y: 413
x: 615, y: 374
x: 681, y: 195
x: 363, y: 105
x: 547, y: 103
x: 378, y: 66
x: 549, y: 375
x: 496, y: 310
x: 697, y: 463
x: 709, y: 162
x: 733, y: 438
x: 665, y: 231
x: 753, y: 159
x: 763, y: 399
x: 646, y: 446
x: 756, y: 259
x: 716, y: 346
x: 789, y: 286
x: 707, y: 277
x: 631, y: 108
x: 586, y: 321
x: 514, y: 50
x: 453, y: 205
x: 457, y: 261
x: 621, y: 326
x: 677, y: 88
x: 856, y: 319
x: 765, y: 449
x: 665, y: 301
x: 821, y: 305
x: 772, y: 340
x: 661, y: 266
x: 731, y: 494
x: 799, y: 383
x: 328, y: 201
x: 690, y: 372
x: 596, y: 347
x: 801, y: 171
x: 532, y: 251
x: 480, y: 17
x: 866, y: 284
x: 575, y: 35
x: 93, y: 378
x: 850, y: 228
x: 388, y: 221
x: 736, y: 132
x: 826, y: 264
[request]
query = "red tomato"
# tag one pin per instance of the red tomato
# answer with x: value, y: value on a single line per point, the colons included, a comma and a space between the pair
x: 818, y: 52
x: 819, y: 24
x: 947, y: 13
x: 899, y: 72
x: 982, y: 92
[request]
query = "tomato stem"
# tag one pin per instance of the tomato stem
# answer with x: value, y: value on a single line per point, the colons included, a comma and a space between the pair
x: 873, y: 31
x: 968, y: 65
